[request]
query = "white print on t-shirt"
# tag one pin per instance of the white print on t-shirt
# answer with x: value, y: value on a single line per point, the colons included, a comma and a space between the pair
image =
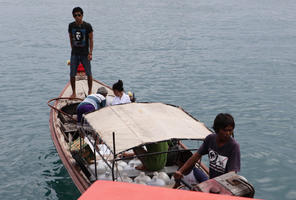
x: 78, y: 36
x: 217, y: 162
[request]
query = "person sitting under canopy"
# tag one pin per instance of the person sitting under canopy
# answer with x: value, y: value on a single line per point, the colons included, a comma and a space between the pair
x: 152, y: 162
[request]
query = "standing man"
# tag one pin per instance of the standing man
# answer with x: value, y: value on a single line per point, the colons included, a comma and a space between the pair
x: 81, y: 40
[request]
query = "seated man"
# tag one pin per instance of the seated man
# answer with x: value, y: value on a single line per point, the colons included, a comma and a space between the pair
x: 92, y: 102
x: 152, y: 162
x: 221, y: 147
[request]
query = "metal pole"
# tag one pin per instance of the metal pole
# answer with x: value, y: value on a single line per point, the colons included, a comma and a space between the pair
x: 80, y: 150
x: 154, y: 153
x: 96, y: 174
x: 95, y: 149
x: 114, y: 154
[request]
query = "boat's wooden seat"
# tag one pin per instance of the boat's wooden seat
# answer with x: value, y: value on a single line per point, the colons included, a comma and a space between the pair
x: 65, y: 119
x: 68, y: 127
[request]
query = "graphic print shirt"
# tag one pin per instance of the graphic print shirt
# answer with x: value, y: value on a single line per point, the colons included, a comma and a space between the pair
x: 222, y: 159
x: 80, y: 37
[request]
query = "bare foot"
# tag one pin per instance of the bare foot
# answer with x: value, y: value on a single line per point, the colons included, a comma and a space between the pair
x: 140, y: 167
x: 126, y: 154
x: 73, y: 95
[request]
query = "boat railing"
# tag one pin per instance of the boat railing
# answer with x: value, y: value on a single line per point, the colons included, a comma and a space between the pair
x: 59, y: 110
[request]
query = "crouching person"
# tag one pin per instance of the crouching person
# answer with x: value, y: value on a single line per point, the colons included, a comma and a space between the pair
x: 92, y: 102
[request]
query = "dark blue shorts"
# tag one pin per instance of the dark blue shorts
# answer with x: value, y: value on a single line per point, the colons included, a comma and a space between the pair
x: 199, y: 175
x: 75, y: 61
x: 84, y: 108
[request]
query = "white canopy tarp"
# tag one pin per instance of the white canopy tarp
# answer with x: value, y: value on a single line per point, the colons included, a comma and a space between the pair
x: 140, y: 123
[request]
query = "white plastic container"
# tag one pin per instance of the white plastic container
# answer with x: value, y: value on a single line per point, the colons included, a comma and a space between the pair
x: 121, y: 163
x: 117, y: 170
x: 130, y: 170
x: 143, y: 178
x: 134, y: 162
x: 101, y: 167
x: 103, y: 149
x: 165, y: 177
x: 156, y: 182
x: 139, y: 182
x: 155, y: 174
x: 125, y: 178
x: 107, y: 176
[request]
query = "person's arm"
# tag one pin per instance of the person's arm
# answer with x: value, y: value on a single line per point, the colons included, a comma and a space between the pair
x: 70, y: 37
x: 233, y: 164
x: 139, y: 150
x: 189, y: 164
x: 182, y: 145
x: 91, y: 45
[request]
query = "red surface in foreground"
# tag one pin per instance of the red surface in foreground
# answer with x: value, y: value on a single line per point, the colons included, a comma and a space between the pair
x: 103, y: 190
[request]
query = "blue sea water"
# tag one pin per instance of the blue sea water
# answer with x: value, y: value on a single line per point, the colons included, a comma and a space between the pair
x: 235, y: 56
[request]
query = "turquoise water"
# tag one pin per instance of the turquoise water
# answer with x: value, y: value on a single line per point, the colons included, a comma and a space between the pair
x: 206, y: 56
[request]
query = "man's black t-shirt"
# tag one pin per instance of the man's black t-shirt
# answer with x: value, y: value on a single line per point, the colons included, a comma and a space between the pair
x: 222, y: 159
x: 80, y: 37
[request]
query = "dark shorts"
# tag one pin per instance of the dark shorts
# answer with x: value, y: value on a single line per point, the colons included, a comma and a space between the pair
x: 75, y: 60
x: 199, y: 175
x: 82, y: 109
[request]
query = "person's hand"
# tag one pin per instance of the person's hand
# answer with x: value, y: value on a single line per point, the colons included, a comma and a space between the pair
x: 178, y: 175
x: 89, y: 56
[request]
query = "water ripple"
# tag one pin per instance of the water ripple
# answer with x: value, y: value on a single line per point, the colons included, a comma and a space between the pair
x: 207, y: 57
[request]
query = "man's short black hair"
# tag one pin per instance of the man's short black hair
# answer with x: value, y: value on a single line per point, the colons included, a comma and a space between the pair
x: 223, y: 120
x: 77, y: 9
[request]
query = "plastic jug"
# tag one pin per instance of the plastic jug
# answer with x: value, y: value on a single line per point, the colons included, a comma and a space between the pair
x: 143, y: 178
x: 135, y: 162
x: 125, y: 178
x: 121, y: 163
x: 165, y: 177
x: 103, y: 149
x: 117, y: 169
x: 130, y: 170
x: 101, y: 167
x: 155, y: 174
x: 156, y: 182
x: 107, y: 176
x: 138, y: 181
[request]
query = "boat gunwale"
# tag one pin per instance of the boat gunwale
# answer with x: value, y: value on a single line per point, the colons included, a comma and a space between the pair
x: 74, y: 173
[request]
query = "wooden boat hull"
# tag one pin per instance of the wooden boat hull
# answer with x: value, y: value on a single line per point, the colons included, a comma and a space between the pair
x: 58, y: 138
x: 64, y: 130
